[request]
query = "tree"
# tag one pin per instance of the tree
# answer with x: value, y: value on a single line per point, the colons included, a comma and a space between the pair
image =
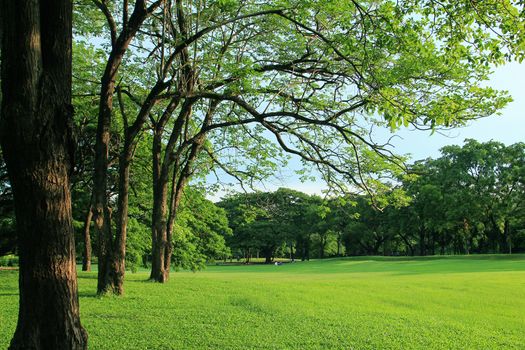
x: 36, y: 142
x: 324, y: 86
x: 112, y: 247
x: 263, y: 221
x: 468, y: 200
x: 314, y: 76
x: 201, y: 232
x: 487, y: 179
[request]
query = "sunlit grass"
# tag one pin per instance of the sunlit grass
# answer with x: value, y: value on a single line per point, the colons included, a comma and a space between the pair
x: 475, y: 302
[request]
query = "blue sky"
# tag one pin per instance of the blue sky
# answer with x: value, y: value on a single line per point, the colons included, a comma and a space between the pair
x: 508, y: 128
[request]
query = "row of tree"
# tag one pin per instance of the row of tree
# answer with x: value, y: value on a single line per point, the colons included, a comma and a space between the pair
x: 469, y: 200
x: 177, y: 90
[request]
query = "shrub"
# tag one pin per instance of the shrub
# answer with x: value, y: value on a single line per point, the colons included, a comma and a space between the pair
x: 9, y: 260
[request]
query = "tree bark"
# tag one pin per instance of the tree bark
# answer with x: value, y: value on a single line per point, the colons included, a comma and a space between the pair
x: 163, y: 221
x: 37, y: 143
x: 86, y: 259
x: 118, y: 256
x: 159, y: 233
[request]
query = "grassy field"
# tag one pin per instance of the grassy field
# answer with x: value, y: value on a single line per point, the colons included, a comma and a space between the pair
x: 475, y: 302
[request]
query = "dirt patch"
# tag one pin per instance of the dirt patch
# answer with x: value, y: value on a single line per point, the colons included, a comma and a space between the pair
x: 8, y: 268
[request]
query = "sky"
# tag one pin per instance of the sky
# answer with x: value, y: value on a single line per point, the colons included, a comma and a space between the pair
x: 508, y: 128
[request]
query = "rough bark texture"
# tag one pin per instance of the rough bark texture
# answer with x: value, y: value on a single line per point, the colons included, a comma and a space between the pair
x: 37, y: 145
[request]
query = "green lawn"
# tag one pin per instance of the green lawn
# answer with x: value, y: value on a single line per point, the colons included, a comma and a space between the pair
x: 475, y: 302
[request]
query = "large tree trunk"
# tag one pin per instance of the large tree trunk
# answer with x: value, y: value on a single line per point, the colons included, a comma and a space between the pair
x: 37, y: 144
x: 162, y: 222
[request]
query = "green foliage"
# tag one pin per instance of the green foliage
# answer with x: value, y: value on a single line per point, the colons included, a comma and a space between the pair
x: 200, y: 233
x: 264, y: 221
x: 314, y: 76
x: 138, y: 244
x: 9, y: 260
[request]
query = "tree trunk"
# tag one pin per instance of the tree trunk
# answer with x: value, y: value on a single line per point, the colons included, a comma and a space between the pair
x: 306, y: 249
x: 118, y: 256
x: 407, y: 243
x: 159, y: 234
x: 339, y: 243
x: 101, y: 211
x: 37, y: 143
x: 422, y: 242
x: 162, y: 224
x: 100, y: 182
x: 322, y: 244
x: 86, y: 259
x: 508, y: 237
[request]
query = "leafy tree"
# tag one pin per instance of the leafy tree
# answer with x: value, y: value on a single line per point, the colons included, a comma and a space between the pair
x: 465, y: 200
x: 206, y: 226
x: 314, y: 76
x: 264, y: 221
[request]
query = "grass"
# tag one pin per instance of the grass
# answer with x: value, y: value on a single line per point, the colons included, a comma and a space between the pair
x: 475, y: 302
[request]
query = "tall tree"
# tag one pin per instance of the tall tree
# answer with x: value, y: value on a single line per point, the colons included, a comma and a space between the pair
x: 112, y: 248
x: 311, y: 75
x: 37, y: 143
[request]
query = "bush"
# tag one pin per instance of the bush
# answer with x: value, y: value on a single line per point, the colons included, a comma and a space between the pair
x: 9, y: 260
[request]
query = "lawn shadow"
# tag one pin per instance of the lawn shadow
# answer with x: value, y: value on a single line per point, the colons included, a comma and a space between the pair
x: 86, y: 276
x: 89, y: 295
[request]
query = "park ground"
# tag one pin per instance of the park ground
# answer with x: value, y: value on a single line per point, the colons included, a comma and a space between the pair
x: 472, y: 302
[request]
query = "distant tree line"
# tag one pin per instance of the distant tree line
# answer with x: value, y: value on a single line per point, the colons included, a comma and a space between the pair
x: 469, y: 200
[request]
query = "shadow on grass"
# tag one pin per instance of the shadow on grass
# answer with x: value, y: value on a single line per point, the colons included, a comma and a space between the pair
x: 85, y: 276
x: 89, y: 295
